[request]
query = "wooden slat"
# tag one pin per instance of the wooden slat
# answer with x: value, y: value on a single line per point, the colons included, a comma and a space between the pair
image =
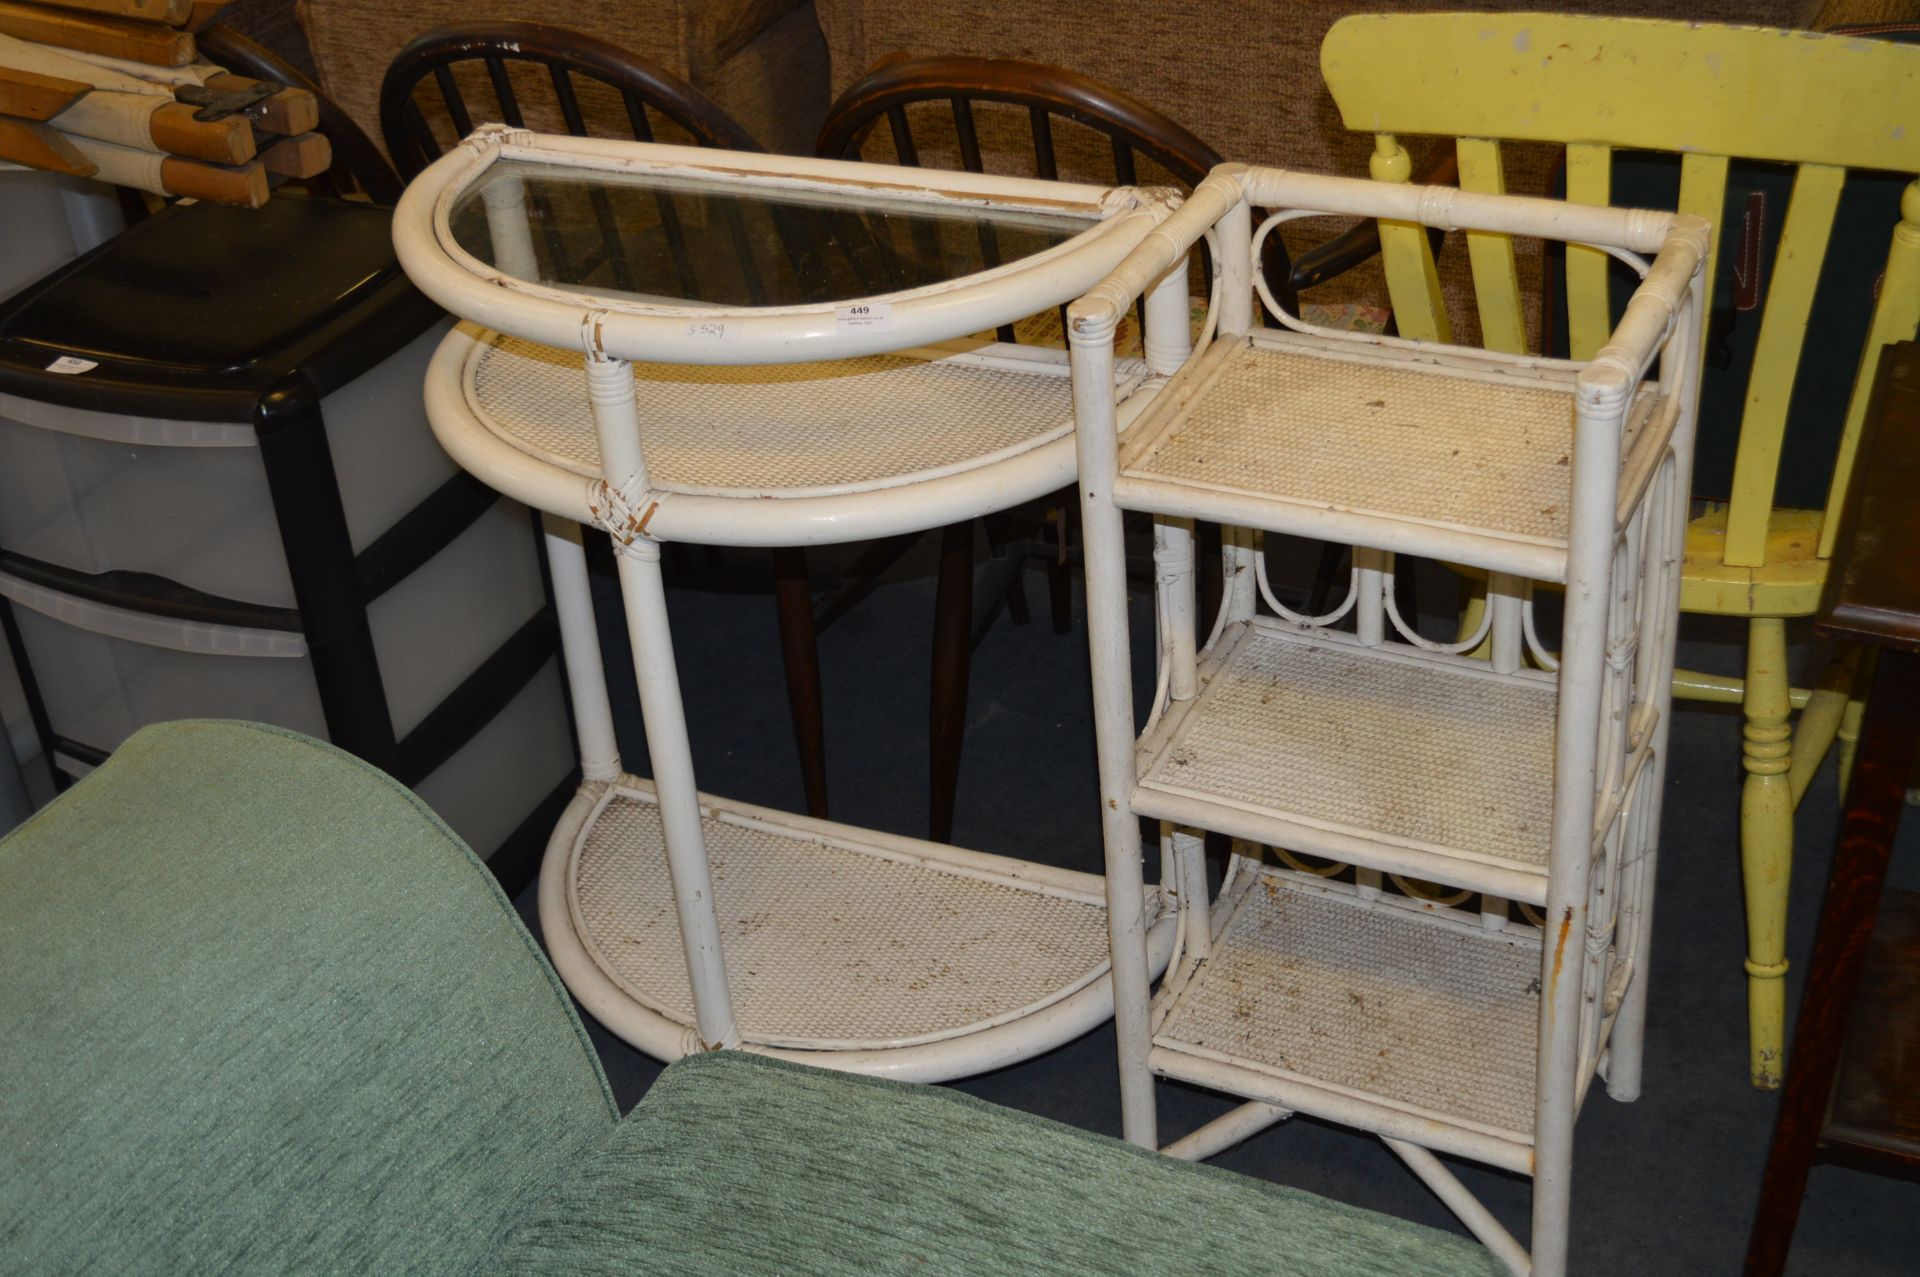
x: 1413, y: 284
x: 1045, y: 166
x: 421, y: 132
x: 1776, y: 358
x: 637, y: 117
x: 290, y: 111
x: 1703, y: 193
x: 904, y: 151
x: 28, y: 95
x: 969, y: 139
x: 1589, y: 309
x: 244, y: 186
x: 305, y: 155
x: 1496, y: 280
x: 205, y: 13
x: 171, y: 12
x: 456, y: 101
x: 1896, y: 315
x: 113, y: 37
x: 85, y: 68
x: 569, y: 101
x: 1662, y: 86
x: 42, y: 146
x: 175, y: 131
x: 153, y: 124
x: 503, y: 93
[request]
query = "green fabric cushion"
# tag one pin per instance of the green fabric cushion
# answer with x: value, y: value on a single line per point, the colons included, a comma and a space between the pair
x: 264, y: 1012
x: 737, y: 1164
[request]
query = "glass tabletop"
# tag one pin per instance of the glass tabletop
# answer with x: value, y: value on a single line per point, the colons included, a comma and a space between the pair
x: 733, y: 244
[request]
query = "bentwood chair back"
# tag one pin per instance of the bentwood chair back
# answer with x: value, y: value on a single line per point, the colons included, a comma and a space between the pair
x: 527, y: 75
x: 1823, y: 105
x: 532, y: 76
x: 1005, y: 116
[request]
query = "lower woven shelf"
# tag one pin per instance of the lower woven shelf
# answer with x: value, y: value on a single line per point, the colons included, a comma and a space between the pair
x: 1368, y: 1013
x: 845, y: 947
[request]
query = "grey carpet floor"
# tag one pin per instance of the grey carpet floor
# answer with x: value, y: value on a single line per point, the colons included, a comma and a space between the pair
x: 1666, y: 1185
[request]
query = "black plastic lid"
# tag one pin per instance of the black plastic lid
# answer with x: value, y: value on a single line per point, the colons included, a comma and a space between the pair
x: 196, y: 311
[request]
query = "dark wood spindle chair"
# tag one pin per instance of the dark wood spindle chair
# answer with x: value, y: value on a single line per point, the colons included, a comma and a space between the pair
x: 1044, y: 122
x: 526, y: 75
x: 1050, y: 123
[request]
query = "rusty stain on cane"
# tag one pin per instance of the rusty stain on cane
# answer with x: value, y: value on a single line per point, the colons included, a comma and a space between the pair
x: 1560, y: 947
x: 641, y: 527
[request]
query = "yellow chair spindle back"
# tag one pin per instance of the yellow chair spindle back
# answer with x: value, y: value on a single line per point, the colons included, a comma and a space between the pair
x: 1496, y: 279
x: 1896, y: 315
x: 1413, y: 282
x: 1703, y: 192
x: 1776, y: 359
x: 1597, y: 85
x: 1589, y: 310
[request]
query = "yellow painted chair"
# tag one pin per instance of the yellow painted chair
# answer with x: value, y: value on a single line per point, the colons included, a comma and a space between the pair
x: 1824, y: 104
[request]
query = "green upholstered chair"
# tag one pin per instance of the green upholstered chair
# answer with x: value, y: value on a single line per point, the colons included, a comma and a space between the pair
x: 263, y: 1012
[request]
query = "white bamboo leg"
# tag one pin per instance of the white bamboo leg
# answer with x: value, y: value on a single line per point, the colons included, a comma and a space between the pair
x: 1239, y: 553
x: 1370, y: 571
x: 1222, y: 1133
x: 505, y: 198
x: 1454, y: 1195
x: 643, y: 594
x: 1190, y: 862
x: 1168, y: 340
x: 1107, y: 639
x: 1599, y: 406
x: 1173, y: 577
x: 1506, y: 595
x: 1370, y: 610
x: 580, y: 649
x: 1627, y: 1045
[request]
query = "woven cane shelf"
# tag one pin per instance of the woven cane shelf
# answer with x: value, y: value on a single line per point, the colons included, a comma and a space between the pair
x: 1269, y: 424
x: 837, y: 426
x: 1399, y: 993
x: 1389, y: 757
x: 1423, y: 1015
x: 844, y: 940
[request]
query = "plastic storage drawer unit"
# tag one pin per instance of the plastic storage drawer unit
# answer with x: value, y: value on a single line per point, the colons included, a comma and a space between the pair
x: 219, y: 498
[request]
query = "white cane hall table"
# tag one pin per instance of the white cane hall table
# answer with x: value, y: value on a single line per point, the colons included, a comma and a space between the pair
x: 678, y: 345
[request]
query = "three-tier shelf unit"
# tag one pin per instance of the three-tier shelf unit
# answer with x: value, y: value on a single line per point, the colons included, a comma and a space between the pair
x: 620, y: 371
x: 1495, y: 802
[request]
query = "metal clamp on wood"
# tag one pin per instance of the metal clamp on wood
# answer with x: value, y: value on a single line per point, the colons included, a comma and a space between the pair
x: 218, y: 104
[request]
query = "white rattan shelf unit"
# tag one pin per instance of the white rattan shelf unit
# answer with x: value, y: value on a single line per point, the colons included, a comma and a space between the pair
x: 683, y: 921
x: 1490, y: 765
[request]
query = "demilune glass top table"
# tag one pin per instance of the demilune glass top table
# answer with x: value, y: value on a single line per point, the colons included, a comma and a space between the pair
x: 681, y: 345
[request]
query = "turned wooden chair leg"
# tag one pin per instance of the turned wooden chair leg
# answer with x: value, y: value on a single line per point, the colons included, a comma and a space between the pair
x: 1766, y: 843
x: 800, y: 652
x: 952, y: 653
